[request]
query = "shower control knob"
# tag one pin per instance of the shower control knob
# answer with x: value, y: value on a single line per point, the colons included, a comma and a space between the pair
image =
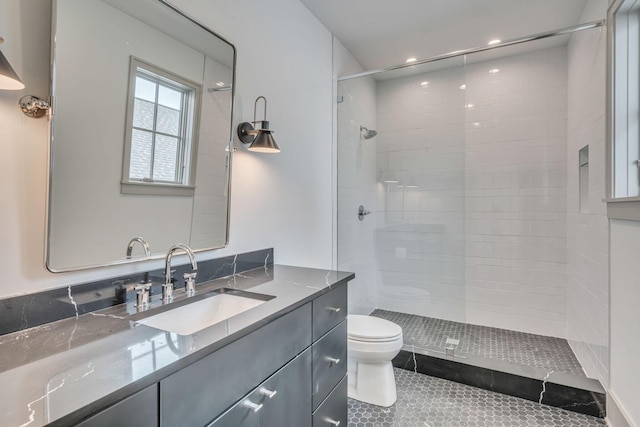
x: 362, y: 212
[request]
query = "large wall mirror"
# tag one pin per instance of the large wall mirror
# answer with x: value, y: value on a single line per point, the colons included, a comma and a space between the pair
x: 141, y: 132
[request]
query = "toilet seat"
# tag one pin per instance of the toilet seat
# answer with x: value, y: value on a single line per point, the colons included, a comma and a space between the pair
x: 372, y: 329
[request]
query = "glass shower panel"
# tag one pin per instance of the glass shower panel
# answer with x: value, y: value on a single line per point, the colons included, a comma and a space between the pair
x: 409, y: 253
x: 458, y: 203
x: 357, y: 187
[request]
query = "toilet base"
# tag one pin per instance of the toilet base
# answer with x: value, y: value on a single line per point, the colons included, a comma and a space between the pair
x: 372, y: 382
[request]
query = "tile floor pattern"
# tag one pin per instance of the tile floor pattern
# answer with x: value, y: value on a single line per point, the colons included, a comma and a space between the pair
x: 515, y: 347
x: 425, y: 401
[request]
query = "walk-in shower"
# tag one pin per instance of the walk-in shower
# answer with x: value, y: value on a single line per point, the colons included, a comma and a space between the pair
x: 467, y: 181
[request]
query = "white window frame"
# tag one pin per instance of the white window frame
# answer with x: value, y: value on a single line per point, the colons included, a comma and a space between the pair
x: 190, y: 125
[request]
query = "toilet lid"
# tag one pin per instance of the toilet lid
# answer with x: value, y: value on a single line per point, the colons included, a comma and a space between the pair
x: 368, y: 328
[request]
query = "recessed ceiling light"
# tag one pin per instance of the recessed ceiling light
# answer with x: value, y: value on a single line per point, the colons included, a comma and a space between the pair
x: 463, y: 87
x: 476, y: 124
x: 468, y: 106
x: 409, y: 60
x: 494, y: 71
x: 424, y: 84
x: 494, y: 41
x: 411, y: 186
x: 391, y: 182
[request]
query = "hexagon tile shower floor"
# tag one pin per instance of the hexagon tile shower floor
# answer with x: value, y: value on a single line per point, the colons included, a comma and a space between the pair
x: 425, y: 401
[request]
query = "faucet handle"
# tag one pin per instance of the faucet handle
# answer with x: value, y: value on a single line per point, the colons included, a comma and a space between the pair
x: 142, y: 295
x: 190, y: 283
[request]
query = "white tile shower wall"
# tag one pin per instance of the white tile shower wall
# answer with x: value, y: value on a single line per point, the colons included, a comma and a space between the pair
x: 587, y: 232
x: 420, y: 209
x: 356, y: 182
x: 477, y: 230
x: 515, y: 227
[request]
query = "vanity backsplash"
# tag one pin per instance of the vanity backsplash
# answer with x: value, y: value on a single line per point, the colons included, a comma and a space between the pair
x: 27, y: 311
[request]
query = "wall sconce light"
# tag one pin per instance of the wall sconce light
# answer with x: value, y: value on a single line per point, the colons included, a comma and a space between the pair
x: 259, y: 140
x: 9, y: 80
x: 30, y: 105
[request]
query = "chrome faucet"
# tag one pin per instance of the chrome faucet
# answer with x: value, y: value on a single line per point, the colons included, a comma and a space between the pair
x: 167, y: 287
x: 143, y: 243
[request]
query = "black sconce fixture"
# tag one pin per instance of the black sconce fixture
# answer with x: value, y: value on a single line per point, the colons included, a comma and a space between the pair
x: 9, y: 80
x: 260, y: 140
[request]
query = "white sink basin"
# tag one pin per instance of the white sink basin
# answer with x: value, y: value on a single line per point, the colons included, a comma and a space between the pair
x: 193, y: 317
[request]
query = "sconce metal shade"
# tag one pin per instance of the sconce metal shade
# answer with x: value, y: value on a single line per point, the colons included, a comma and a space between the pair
x: 259, y: 140
x: 264, y: 143
x: 9, y: 80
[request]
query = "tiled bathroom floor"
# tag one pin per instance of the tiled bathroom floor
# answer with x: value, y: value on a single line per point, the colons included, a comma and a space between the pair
x: 425, y: 401
x: 511, y: 346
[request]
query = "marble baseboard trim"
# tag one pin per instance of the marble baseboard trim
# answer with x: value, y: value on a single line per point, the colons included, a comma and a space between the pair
x: 616, y: 415
x: 27, y: 311
x: 543, y: 390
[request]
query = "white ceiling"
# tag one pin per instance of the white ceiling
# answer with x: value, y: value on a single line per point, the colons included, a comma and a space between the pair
x: 382, y: 33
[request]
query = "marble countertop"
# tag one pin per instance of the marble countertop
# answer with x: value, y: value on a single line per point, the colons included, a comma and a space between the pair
x: 61, y: 371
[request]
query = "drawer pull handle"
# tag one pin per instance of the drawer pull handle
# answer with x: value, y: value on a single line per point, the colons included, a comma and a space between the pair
x: 332, y: 360
x: 253, y: 406
x: 334, y: 309
x: 268, y: 393
x: 332, y: 422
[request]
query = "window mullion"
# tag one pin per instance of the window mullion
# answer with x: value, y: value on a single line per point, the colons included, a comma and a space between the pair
x: 154, y: 132
x: 181, y: 141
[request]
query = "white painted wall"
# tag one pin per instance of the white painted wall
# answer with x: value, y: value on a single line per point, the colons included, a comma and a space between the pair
x: 587, y: 231
x: 356, y: 181
x: 625, y: 318
x: 282, y: 201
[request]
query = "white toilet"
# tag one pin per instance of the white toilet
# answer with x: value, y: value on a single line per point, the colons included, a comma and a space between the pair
x: 371, y: 344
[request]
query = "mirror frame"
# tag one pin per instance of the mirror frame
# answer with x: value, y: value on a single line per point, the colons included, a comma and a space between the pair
x: 50, y: 166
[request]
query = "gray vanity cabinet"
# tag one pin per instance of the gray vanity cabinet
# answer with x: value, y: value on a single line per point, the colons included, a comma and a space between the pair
x: 313, y: 385
x: 329, y: 362
x: 333, y: 411
x: 282, y: 400
x: 329, y: 377
x: 290, y: 372
x: 197, y: 394
x: 138, y: 410
x: 329, y: 310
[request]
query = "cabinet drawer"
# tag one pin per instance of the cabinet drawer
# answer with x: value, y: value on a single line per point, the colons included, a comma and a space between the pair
x: 289, y: 404
x: 333, y: 411
x: 202, y: 391
x: 329, y: 310
x: 329, y: 362
x: 139, y: 410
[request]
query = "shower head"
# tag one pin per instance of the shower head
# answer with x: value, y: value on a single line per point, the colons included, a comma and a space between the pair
x: 366, y: 133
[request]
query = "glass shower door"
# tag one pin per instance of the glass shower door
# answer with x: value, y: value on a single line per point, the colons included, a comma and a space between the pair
x: 401, y: 156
